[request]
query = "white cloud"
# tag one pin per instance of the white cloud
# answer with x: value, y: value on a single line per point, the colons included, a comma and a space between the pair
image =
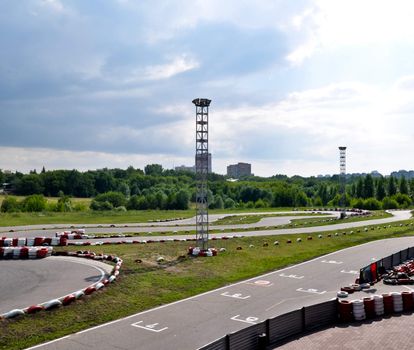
x: 335, y: 23
x: 178, y: 65
x: 26, y: 159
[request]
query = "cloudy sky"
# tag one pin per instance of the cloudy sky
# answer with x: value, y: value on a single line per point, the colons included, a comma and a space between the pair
x: 92, y: 84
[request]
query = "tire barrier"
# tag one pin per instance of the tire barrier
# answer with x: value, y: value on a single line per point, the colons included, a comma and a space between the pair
x: 358, y: 310
x: 25, y: 252
x: 196, y: 251
x: 72, y: 297
x: 379, y: 305
x: 394, y: 269
x: 33, y: 241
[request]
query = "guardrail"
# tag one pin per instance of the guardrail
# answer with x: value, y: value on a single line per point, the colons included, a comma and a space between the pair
x: 372, y: 272
x: 278, y: 329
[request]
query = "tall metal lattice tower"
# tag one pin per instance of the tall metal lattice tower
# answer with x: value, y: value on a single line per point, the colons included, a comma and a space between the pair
x: 342, y: 179
x: 201, y: 159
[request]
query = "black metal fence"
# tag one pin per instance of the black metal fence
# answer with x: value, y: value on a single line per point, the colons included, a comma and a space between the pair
x: 278, y: 329
x: 372, y: 272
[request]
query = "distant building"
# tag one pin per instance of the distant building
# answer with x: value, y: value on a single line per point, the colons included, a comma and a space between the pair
x: 238, y: 170
x: 193, y: 168
x: 185, y: 168
x: 209, y: 163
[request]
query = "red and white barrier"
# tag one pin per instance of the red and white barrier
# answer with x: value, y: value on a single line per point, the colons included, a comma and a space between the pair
x: 69, y: 298
x: 25, y: 252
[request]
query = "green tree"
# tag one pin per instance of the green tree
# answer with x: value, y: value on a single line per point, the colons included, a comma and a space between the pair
x: 153, y: 169
x: 380, y: 189
x: 368, y: 191
x: 182, y: 199
x: 403, y: 186
x: 392, y: 187
x: 360, y: 188
x: 29, y: 184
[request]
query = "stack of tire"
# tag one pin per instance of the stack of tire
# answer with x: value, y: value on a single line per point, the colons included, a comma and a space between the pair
x: 25, y: 252
x: 32, y: 241
x: 358, y: 310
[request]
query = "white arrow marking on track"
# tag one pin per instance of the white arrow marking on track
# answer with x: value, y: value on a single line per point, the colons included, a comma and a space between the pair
x: 250, y: 319
x: 353, y: 272
x: 291, y: 276
x: 310, y: 290
x: 236, y: 295
x: 331, y: 262
x: 149, y: 327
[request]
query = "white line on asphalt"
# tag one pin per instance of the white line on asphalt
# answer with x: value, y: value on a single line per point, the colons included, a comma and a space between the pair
x: 149, y: 327
x: 213, y: 291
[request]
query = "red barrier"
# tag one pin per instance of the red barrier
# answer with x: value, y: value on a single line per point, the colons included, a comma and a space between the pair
x: 369, y: 306
x: 374, y: 271
x: 38, y: 241
x: 68, y: 299
x: 34, y: 308
x: 345, y: 311
x: 408, y: 301
x: 388, y: 304
x: 24, y: 253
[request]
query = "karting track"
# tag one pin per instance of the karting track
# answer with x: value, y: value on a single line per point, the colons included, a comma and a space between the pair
x: 30, y: 282
x: 194, y: 322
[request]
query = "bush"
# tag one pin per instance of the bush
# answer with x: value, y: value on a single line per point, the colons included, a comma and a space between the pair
x: 229, y: 203
x: 10, y: 205
x: 116, y: 199
x: 34, y: 203
x: 97, y: 205
x: 260, y: 204
x: 388, y: 203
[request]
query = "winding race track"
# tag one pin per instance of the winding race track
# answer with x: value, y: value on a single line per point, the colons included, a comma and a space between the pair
x: 31, y: 282
x: 196, y: 321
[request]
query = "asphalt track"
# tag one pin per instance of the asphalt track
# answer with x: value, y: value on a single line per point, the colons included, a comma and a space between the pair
x: 177, y: 225
x: 196, y: 321
x: 30, y: 282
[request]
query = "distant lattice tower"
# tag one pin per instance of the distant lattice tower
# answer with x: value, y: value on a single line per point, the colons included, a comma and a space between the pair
x: 342, y: 179
x: 201, y: 158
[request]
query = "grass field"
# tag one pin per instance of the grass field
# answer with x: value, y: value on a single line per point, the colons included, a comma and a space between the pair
x: 252, y: 219
x: 109, y: 217
x: 147, y: 284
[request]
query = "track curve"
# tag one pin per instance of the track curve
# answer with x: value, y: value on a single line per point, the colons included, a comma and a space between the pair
x: 28, y: 282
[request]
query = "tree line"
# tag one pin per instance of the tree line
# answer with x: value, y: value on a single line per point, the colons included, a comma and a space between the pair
x: 158, y: 188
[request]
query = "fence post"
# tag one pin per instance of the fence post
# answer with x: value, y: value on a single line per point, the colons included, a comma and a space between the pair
x: 303, y: 319
x: 227, y: 342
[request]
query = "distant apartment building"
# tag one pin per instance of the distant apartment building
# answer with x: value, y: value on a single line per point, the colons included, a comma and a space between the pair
x: 185, y: 168
x: 238, y: 170
x: 193, y: 168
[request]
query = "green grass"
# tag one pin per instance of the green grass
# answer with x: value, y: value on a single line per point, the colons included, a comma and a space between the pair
x: 378, y: 214
x: 109, y: 217
x: 145, y: 285
x: 252, y: 219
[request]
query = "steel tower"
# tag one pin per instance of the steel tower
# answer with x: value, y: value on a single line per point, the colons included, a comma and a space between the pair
x: 342, y: 179
x: 201, y: 158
